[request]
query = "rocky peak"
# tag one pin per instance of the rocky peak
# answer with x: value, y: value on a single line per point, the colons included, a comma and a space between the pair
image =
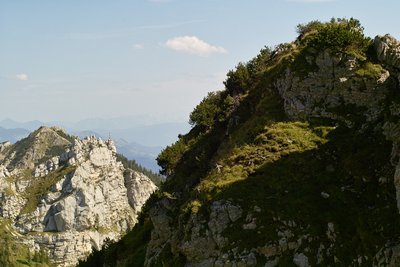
x: 67, y: 195
x: 40, y: 145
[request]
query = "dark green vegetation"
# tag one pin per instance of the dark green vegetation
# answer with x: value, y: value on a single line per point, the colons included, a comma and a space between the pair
x: 131, y: 249
x: 132, y: 164
x: 14, y: 254
x: 300, y: 176
x: 340, y: 35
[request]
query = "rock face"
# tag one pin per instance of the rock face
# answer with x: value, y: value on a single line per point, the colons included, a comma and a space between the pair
x: 388, y: 50
x: 67, y: 195
x: 333, y: 86
x: 135, y: 182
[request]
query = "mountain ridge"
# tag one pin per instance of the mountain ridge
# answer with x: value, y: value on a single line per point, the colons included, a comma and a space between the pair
x: 295, y: 163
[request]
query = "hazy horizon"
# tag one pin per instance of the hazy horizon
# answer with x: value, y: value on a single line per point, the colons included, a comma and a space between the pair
x: 136, y: 120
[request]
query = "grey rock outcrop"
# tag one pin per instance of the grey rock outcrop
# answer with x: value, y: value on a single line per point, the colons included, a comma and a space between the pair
x: 4, y: 145
x: 388, y: 50
x: 204, y: 244
x: 139, y: 187
x: 85, y: 197
x: 332, y: 86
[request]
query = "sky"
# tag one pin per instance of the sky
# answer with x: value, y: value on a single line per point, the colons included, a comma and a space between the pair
x: 68, y: 60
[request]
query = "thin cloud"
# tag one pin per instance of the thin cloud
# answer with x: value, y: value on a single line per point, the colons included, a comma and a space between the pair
x: 125, y: 32
x: 138, y: 46
x: 193, y: 45
x: 21, y: 77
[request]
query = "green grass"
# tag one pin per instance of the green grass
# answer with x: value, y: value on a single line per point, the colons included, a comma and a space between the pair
x: 130, y: 251
x: 40, y: 186
x: 13, y: 253
x: 370, y: 70
x: 275, y: 141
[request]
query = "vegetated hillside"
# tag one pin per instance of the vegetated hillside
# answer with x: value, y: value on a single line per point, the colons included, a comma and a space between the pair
x: 295, y: 163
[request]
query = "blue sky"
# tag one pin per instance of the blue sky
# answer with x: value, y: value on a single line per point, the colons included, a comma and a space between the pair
x: 68, y: 60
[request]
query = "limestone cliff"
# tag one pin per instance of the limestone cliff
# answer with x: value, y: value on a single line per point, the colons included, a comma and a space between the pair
x: 66, y: 196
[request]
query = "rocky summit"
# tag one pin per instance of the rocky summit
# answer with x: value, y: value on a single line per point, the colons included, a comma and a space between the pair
x: 60, y: 197
x: 295, y: 163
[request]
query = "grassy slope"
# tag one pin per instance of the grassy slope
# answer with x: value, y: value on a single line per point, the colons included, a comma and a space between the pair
x: 15, y: 254
x: 40, y: 186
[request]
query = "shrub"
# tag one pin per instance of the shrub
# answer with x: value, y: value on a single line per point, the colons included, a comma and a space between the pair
x: 341, y: 35
x: 205, y: 113
x: 170, y: 156
x: 259, y: 63
x: 237, y: 80
x: 370, y: 70
x: 304, y: 29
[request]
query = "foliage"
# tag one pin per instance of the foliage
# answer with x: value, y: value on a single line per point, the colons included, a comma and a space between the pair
x: 130, y: 251
x: 171, y: 155
x: 237, y: 80
x: 370, y: 70
x: 132, y: 164
x: 340, y: 35
x: 205, y: 113
x: 216, y: 108
x: 307, y: 28
x: 259, y: 63
x: 13, y: 253
x: 7, y: 258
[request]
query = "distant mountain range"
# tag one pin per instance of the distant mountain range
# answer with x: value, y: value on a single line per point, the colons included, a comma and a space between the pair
x: 30, y: 125
x: 134, y: 139
x: 13, y: 135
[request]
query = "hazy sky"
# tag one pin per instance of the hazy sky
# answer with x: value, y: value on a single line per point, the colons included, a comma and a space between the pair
x: 76, y: 59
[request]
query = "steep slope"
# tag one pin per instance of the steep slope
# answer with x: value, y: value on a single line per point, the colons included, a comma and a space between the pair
x: 65, y: 196
x: 295, y: 163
